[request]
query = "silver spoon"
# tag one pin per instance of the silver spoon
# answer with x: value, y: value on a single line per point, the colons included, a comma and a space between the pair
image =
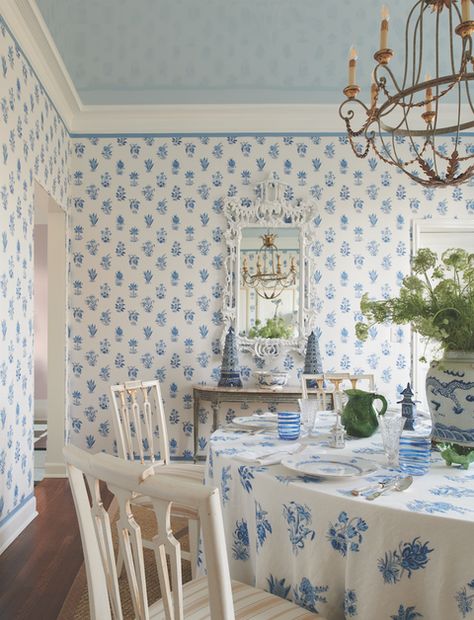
x: 400, y: 485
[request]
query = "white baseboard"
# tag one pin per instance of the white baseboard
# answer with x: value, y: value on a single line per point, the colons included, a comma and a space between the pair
x: 14, y: 525
x: 55, y: 470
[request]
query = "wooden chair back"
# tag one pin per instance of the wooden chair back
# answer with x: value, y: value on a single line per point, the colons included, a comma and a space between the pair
x: 327, y: 388
x: 363, y: 382
x: 167, y: 484
x: 139, y: 422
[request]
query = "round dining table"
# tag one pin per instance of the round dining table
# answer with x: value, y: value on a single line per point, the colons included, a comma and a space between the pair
x: 406, y: 555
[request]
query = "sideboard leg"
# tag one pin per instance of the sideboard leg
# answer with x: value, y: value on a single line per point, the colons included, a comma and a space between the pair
x: 196, y: 422
x: 215, y: 414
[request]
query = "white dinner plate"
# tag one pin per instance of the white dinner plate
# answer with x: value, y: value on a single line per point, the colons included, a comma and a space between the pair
x: 329, y: 466
x: 256, y: 421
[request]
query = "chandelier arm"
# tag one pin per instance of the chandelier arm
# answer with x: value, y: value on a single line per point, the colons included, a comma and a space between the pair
x: 468, y: 95
x: 418, y: 27
x: 397, y: 163
x: 420, y: 4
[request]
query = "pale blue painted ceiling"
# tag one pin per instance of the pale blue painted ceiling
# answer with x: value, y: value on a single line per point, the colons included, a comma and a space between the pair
x: 218, y: 51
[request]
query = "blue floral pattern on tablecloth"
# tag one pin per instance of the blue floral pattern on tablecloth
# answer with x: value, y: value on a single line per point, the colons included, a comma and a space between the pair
x: 298, y: 518
x: 264, y: 527
x: 246, y: 476
x: 346, y: 533
x: 278, y: 586
x: 310, y: 596
x: 350, y: 603
x: 465, y: 599
x: 409, y: 557
x: 406, y: 613
x: 241, y: 546
x: 226, y: 476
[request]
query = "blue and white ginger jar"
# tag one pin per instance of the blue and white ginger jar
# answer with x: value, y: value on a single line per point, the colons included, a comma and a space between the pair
x: 450, y: 395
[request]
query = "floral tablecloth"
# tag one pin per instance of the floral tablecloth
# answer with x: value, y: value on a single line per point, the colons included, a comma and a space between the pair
x: 404, y: 556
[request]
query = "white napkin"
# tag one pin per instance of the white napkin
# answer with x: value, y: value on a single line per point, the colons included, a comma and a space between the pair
x: 268, y: 455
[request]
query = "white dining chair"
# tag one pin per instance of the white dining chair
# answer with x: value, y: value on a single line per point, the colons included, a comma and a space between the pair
x: 214, y: 597
x: 313, y: 384
x: 142, y: 436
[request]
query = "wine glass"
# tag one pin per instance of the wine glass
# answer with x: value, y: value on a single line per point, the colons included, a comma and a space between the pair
x: 308, y: 408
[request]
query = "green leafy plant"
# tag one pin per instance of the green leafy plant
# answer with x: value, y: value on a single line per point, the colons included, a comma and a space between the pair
x: 437, y: 300
x: 275, y: 327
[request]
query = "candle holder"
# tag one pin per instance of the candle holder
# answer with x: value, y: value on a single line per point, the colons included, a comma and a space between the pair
x: 384, y: 56
x: 351, y: 91
x: 428, y: 117
x: 465, y: 29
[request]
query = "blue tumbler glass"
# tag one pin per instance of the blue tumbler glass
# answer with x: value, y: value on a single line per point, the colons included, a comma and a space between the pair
x: 415, y: 453
x: 288, y: 425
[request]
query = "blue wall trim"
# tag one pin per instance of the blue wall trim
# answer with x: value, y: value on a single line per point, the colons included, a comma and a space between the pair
x: 16, y: 509
x: 256, y: 134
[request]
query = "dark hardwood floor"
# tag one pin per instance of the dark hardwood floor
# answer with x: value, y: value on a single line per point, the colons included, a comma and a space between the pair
x: 37, y: 570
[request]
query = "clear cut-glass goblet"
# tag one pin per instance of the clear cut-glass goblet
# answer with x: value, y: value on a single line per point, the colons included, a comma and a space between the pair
x: 308, y: 408
x: 391, y: 427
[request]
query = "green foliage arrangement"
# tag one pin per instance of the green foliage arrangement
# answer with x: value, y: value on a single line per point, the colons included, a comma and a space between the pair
x: 437, y: 300
x: 275, y: 327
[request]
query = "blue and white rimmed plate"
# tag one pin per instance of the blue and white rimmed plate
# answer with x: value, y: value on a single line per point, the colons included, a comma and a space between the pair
x: 256, y: 421
x: 329, y: 466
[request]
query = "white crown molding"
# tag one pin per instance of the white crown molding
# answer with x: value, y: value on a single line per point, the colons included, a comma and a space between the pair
x: 207, y: 118
x: 28, y: 26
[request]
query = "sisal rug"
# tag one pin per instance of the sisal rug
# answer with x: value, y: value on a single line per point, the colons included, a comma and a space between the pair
x: 76, y: 605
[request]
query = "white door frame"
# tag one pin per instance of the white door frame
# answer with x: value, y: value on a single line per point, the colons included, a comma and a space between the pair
x: 421, y: 226
x: 57, y: 336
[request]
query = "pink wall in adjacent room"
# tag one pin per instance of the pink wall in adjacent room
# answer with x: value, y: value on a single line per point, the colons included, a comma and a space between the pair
x: 41, y: 310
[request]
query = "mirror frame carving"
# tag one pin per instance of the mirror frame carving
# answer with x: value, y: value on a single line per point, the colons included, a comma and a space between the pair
x: 269, y: 209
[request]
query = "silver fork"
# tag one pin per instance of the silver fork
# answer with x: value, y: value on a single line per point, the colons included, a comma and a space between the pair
x: 374, y: 487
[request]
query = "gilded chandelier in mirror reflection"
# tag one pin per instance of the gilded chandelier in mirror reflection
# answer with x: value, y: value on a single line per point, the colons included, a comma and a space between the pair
x: 269, y: 279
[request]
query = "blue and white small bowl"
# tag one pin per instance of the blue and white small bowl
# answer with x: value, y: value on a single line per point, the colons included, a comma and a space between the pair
x: 271, y: 378
x: 288, y: 425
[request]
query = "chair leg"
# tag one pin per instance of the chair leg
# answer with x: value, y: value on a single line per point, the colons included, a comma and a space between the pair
x: 119, y: 563
x: 194, y: 529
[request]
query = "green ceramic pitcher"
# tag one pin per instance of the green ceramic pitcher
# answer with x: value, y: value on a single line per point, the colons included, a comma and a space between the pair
x: 359, y: 416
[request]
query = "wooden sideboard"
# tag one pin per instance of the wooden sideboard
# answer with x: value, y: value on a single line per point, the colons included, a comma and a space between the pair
x: 217, y: 395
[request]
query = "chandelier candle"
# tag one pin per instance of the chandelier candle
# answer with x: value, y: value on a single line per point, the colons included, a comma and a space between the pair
x: 384, y: 29
x: 429, y: 95
x: 466, y: 10
x: 352, y: 66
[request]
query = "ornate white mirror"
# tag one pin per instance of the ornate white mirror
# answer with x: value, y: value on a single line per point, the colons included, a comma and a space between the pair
x: 269, y: 294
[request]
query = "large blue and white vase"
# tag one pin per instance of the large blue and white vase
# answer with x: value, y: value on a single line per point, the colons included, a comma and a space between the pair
x: 450, y: 395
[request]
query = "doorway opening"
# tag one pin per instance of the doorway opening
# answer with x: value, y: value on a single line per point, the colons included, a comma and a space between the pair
x: 438, y: 235
x: 49, y: 250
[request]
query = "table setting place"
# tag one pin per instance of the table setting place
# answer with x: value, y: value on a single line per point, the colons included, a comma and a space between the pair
x: 312, y: 443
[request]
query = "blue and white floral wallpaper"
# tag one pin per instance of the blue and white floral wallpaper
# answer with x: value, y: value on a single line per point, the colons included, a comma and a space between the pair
x: 148, y: 247
x: 146, y: 230
x: 34, y: 146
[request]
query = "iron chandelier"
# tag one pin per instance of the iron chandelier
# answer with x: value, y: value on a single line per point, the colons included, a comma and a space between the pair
x: 415, y: 123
